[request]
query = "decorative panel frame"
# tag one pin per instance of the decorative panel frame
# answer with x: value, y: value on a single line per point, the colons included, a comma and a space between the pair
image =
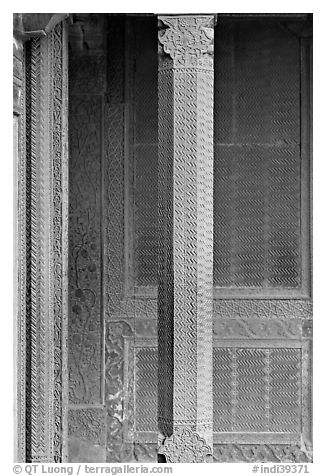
x: 125, y: 300
x: 267, y: 335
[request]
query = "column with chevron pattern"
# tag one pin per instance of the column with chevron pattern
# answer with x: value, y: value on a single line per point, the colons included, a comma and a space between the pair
x: 185, y: 401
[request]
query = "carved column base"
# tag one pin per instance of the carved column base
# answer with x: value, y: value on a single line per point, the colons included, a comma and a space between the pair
x: 186, y: 446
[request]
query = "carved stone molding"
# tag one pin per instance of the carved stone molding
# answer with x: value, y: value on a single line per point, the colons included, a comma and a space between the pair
x: 42, y: 258
x: 262, y: 309
x: 261, y: 454
x: 185, y: 446
x: 185, y: 174
x: 257, y: 328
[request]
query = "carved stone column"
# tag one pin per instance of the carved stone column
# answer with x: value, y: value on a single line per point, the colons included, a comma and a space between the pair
x: 185, y: 401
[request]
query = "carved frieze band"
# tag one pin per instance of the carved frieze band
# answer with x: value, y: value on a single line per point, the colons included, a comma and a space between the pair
x: 185, y: 399
x: 45, y: 205
x: 233, y: 453
x: 263, y: 308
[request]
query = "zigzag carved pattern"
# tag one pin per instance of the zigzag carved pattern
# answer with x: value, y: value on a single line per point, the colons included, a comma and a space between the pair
x: 257, y: 240
x: 28, y: 108
x: 38, y: 325
x: 146, y: 215
x: 205, y: 245
x: 222, y: 390
x: 165, y: 257
x: 46, y: 218
x: 285, y: 371
x: 185, y: 245
x: 251, y: 392
x: 145, y: 155
x: 46, y: 319
x: 257, y: 157
x: 146, y: 390
x: 259, y: 390
x: 284, y: 233
x: 22, y: 260
x: 36, y: 333
x: 186, y: 266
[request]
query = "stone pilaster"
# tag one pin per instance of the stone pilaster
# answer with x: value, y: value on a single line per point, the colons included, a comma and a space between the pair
x: 42, y: 255
x: 185, y: 237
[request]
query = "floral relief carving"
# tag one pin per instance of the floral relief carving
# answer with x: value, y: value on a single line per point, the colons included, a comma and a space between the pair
x: 88, y: 424
x: 85, y: 326
x: 187, y: 39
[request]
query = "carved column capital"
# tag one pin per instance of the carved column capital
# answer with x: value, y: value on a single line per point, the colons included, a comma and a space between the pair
x: 188, y: 40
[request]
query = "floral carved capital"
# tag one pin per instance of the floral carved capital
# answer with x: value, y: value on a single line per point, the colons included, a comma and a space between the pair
x: 188, y: 40
x: 185, y: 446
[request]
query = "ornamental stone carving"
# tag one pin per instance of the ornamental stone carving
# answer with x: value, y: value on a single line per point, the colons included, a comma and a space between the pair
x: 185, y: 191
x: 185, y: 446
x: 187, y: 39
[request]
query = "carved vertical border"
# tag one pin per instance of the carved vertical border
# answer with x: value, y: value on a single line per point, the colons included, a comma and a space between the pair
x: 20, y: 253
x: 38, y: 362
x: 43, y: 252
x: 37, y: 376
x: 307, y: 378
x: 59, y: 128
